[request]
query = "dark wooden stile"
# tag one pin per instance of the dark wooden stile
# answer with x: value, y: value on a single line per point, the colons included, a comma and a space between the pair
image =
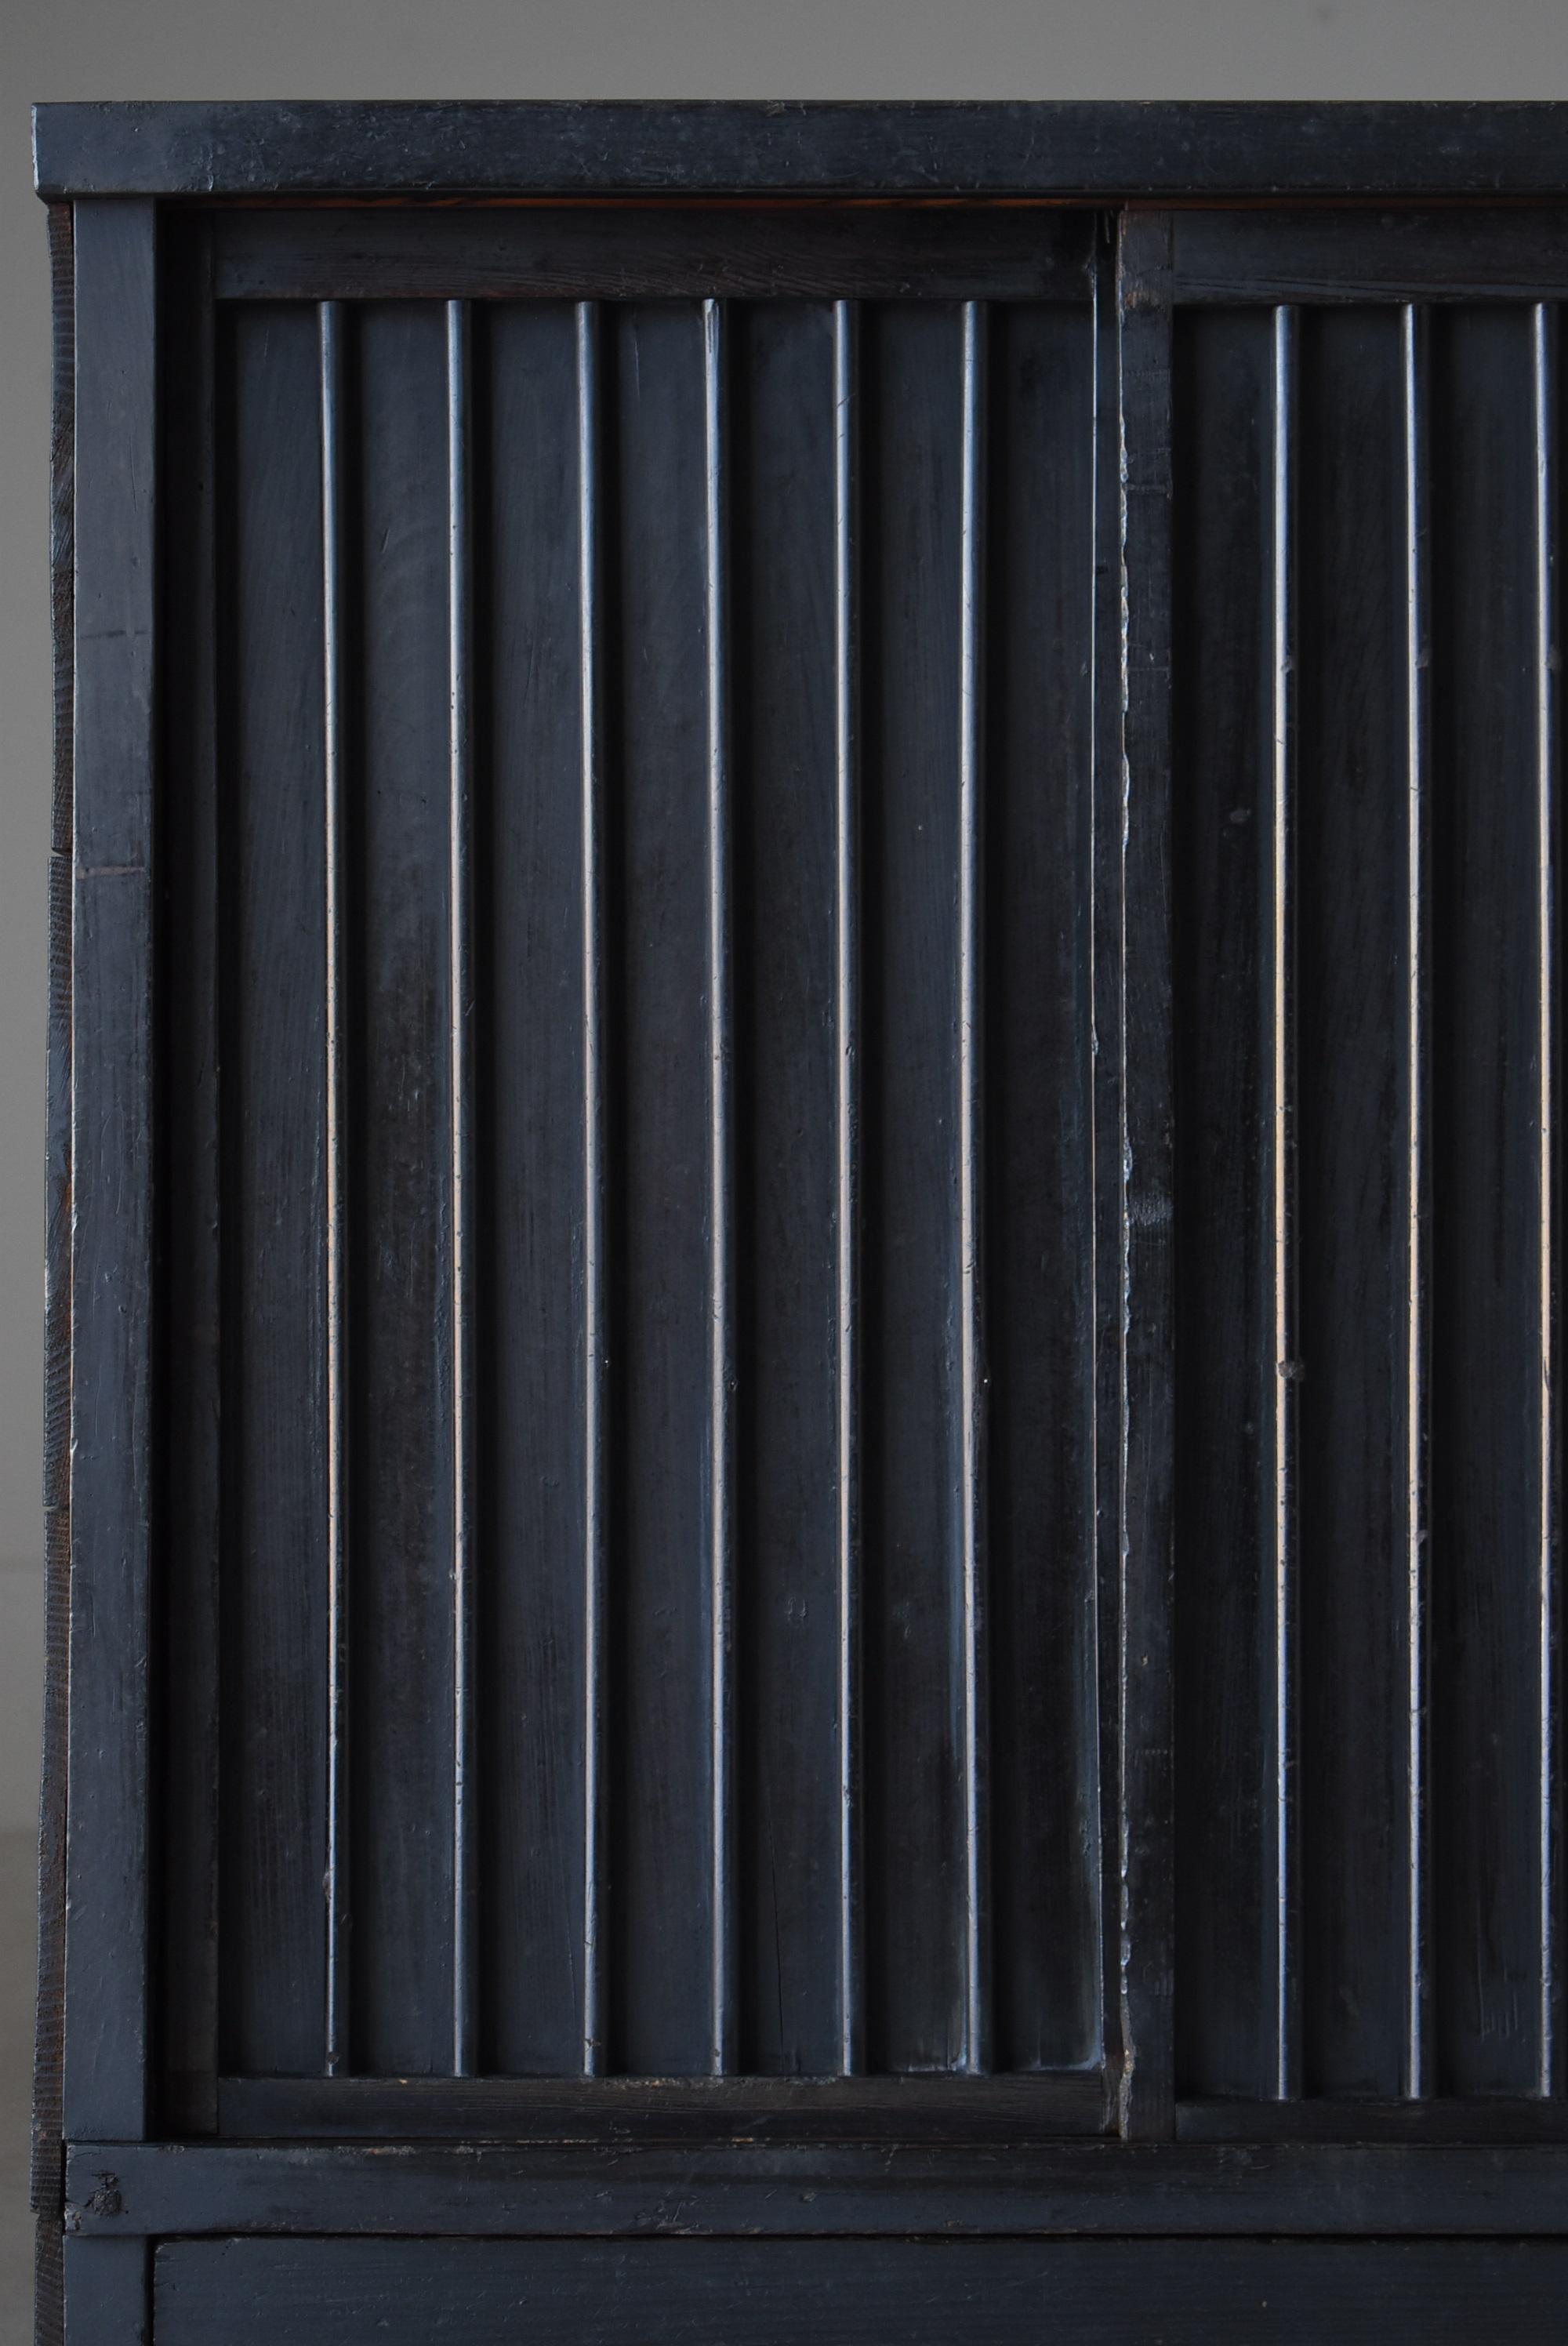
x: 109, y: 2293
x: 47, y: 2178
x: 107, y: 1955
x: 116, y: 636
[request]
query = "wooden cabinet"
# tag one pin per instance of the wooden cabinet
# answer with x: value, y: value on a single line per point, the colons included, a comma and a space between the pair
x: 805, y: 1462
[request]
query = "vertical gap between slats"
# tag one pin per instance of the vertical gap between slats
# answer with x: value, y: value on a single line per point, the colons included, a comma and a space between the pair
x: 721, y: 1356
x: 334, y: 551
x: 1545, y: 421
x: 1417, y: 1214
x: 977, y: 1999
x: 594, y: 1335
x: 852, y: 2052
x: 460, y: 981
x: 1282, y: 1200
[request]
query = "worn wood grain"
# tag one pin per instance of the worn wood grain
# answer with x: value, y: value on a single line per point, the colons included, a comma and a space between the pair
x: 1269, y: 2294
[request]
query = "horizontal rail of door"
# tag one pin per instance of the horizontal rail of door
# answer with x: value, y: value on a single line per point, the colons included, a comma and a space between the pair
x: 888, y: 2109
x: 776, y: 2191
x: 619, y: 254
x: 1240, y: 258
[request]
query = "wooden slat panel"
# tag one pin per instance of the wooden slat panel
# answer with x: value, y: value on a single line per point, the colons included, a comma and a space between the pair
x: 1039, y: 1239
x: 1552, y: 2067
x: 787, y: 1165
x: 723, y: 2016
x: 338, y: 737
x: 591, y: 685
x: 112, y: 1047
x: 272, y: 932
x: 661, y: 1923
x: 401, y: 1469
x: 463, y: 990
x: 531, y: 1079
x: 912, y: 362
x: 1486, y: 1321
x: 1353, y: 977
x: 847, y: 1236
x: 1225, y: 1293
x: 191, y: 1210
x: 1076, y: 2293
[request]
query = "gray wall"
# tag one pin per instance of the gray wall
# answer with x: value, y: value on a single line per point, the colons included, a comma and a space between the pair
x: 536, y: 49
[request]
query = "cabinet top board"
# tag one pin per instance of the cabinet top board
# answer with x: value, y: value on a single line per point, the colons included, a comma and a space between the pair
x: 1048, y: 151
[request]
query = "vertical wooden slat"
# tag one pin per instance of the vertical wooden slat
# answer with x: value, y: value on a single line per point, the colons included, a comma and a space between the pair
x: 594, y: 1257
x: 461, y: 1010
x: 1280, y: 1145
x: 785, y: 1771
x: 1485, y: 1352
x: 971, y: 1176
x: 721, y: 1182
x: 1416, y: 1206
x: 400, y: 1405
x: 334, y: 590
x: 663, y: 1852
x: 275, y: 1571
x: 116, y: 483
x: 1106, y: 819
x: 912, y: 356
x: 1350, y: 886
x: 1544, y: 340
x: 846, y: 1023
x: 1041, y: 1031
x: 1146, y: 1443
x: 191, y: 1207
x: 527, y: 1219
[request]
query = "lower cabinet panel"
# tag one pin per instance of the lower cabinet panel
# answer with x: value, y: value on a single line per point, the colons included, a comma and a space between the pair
x: 319, y: 2292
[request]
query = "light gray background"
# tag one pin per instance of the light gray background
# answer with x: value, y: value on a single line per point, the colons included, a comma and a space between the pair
x: 503, y: 48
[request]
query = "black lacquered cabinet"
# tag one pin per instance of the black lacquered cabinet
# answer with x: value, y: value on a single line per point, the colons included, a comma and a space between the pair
x: 805, y: 1428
